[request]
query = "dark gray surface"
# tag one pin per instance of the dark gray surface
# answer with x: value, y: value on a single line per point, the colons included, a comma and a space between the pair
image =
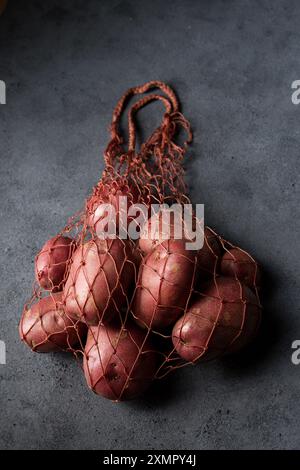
x: 232, y: 64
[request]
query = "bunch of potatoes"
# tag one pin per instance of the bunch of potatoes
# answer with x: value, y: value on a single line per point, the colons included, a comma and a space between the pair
x: 111, y: 299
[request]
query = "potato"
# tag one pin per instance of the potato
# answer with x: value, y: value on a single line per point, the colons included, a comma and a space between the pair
x: 208, y: 255
x: 161, y: 231
x: 45, y: 327
x: 164, y: 225
x: 52, y: 261
x: 164, y: 285
x: 100, y: 277
x: 119, y: 363
x: 239, y: 264
x: 110, y: 193
x: 224, y: 318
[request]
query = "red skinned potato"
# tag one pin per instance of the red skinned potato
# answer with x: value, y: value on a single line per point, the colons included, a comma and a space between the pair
x: 52, y: 262
x: 166, y: 224
x: 119, y: 363
x: 100, y: 277
x: 45, y: 327
x: 164, y: 286
x: 208, y: 255
x: 157, y: 230
x: 224, y: 318
x: 112, y: 193
x: 239, y: 264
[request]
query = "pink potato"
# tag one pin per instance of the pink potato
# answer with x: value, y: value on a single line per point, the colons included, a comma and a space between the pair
x: 166, y: 224
x: 52, y: 262
x: 239, y: 264
x: 100, y: 279
x: 156, y: 231
x: 119, y: 363
x: 45, y: 327
x: 223, y: 319
x: 112, y: 193
x: 164, y: 286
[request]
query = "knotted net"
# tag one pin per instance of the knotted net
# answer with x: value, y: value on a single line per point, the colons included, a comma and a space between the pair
x: 140, y: 304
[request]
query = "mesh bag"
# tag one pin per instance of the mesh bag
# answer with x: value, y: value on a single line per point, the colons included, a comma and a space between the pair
x: 135, y: 309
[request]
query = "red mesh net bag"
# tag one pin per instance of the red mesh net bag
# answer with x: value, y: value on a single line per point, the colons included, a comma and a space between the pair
x: 145, y: 301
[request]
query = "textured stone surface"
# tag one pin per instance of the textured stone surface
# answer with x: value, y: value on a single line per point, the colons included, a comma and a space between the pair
x: 232, y: 63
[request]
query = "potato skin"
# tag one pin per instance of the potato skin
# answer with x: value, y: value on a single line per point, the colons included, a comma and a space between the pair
x: 208, y: 255
x: 147, y: 240
x: 165, y: 282
x: 99, y: 280
x: 224, y: 318
x: 165, y: 229
x: 109, y: 193
x: 237, y: 263
x: 45, y: 327
x: 119, y: 363
x: 52, y: 261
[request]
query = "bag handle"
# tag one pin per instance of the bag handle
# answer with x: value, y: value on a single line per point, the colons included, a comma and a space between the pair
x: 114, y: 130
x: 138, y: 105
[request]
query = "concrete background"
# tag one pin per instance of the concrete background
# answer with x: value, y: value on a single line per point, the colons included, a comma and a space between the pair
x: 232, y: 63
